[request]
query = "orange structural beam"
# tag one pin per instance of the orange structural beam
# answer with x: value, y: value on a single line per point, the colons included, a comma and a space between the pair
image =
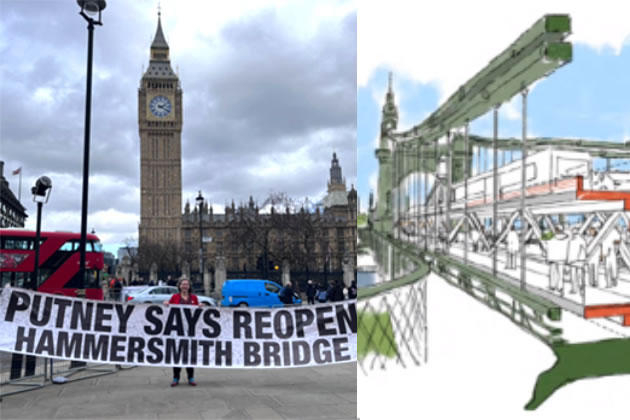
x: 582, y: 194
x: 605, y: 311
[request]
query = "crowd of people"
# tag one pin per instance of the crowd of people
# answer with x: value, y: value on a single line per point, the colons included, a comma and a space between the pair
x: 335, y: 292
x: 567, y: 253
x: 570, y: 255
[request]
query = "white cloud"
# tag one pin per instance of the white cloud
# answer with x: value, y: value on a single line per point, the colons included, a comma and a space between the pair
x: 267, y: 85
x: 512, y: 110
x: 373, y: 181
x: 447, y: 42
x: 43, y: 95
x: 111, y: 225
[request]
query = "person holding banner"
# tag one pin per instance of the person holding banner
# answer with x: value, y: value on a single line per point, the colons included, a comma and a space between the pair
x: 184, y: 297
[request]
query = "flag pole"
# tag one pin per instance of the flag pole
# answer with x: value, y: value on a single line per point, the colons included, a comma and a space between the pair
x: 20, y: 188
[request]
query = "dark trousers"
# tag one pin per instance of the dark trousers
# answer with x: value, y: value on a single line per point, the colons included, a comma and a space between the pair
x: 189, y: 371
x: 311, y: 300
x: 116, y: 295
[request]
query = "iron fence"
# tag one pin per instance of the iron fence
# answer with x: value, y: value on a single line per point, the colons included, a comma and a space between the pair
x: 392, y: 328
x: 19, y: 373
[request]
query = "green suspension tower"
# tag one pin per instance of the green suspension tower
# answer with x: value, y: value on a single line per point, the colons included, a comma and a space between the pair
x: 389, y: 122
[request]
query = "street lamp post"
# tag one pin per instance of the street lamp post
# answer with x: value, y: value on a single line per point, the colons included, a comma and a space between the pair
x: 89, y: 10
x: 41, y: 193
x: 200, y: 204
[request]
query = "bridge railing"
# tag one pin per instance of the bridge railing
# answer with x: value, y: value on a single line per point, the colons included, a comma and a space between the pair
x: 392, y: 327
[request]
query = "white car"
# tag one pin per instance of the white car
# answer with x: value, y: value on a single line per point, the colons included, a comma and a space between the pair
x: 158, y: 294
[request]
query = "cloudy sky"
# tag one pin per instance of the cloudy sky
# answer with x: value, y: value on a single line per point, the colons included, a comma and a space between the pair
x: 434, y: 49
x: 269, y: 94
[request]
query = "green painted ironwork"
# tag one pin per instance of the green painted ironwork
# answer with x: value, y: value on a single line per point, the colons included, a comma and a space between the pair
x: 602, y: 149
x: 534, y: 55
x: 599, y: 149
x: 579, y: 361
x: 526, y: 309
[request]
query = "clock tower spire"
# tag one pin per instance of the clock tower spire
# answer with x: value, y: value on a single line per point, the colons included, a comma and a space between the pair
x: 160, y: 127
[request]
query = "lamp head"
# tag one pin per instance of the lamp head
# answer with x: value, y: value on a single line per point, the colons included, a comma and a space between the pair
x: 90, y: 9
x: 41, y: 190
x: 199, y: 199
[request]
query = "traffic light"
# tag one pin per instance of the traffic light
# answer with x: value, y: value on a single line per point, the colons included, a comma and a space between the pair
x: 259, y: 264
x: 270, y: 266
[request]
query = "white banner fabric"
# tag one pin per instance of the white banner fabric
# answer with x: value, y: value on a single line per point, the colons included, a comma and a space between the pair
x: 176, y: 335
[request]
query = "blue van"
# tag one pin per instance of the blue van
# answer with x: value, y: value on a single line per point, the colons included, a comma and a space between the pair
x: 253, y: 292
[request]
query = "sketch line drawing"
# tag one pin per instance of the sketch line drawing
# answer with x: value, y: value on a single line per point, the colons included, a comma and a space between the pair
x: 543, y: 234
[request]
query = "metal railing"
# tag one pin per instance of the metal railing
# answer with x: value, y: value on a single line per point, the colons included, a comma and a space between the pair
x: 392, y: 314
x: 20, y: 373
x: 393, y: 328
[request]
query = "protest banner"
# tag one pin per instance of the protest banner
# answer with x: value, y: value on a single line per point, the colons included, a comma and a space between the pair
x: 176, y: 335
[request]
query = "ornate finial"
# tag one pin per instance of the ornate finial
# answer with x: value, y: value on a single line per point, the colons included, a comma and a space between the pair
x: 390, y: 81
x: 159, y: 10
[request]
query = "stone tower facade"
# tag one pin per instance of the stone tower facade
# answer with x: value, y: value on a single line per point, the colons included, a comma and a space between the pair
x: 336, y: 183
x: 160, y: 125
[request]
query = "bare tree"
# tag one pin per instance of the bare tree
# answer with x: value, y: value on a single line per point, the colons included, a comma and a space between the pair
x: 257, y: 229
x: 287, y: 232
x: 131, y: 249
x: 167, y: 255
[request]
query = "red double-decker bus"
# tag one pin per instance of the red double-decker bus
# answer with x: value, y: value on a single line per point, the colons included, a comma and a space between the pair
x: 58, y: 262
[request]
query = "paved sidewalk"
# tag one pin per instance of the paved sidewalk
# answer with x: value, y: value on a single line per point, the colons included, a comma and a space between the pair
x: 328, y: 392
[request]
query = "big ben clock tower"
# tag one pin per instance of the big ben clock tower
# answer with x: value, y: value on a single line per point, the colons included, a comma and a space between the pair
x: 160, y: 124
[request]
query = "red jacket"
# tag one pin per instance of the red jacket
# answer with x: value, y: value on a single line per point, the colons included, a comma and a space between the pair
x: 177, y: 297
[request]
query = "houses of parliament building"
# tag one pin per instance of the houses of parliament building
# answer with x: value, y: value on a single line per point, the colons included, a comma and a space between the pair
x: 311, y: 240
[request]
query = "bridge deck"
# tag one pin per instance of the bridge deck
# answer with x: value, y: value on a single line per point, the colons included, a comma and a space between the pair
x: 595, y: 302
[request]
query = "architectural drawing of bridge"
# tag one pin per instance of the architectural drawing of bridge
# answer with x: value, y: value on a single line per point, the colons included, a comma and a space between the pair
x: 537, y: 229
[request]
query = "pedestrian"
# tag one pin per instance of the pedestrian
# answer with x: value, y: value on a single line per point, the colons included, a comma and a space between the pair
x: 474, y: 236
x: 609, y: 250
x: 310, y: 292
x: 594, y: 261
x: 336, y: 292
x: 170, y: 281
x: 117, y: 289
x: 322, y: 294
x: 576, y: 258
x: 184, y: 297
x: 111, y: 287
x: 286, y: 294
x: 352, y: 291
x: 512, y: 249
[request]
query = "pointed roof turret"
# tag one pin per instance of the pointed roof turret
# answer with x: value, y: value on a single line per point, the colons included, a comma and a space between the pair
x: 160, y: 63
x: 159, y: 41
x: 335, y: 171
x: 389, y: 116
x: 390, y: 106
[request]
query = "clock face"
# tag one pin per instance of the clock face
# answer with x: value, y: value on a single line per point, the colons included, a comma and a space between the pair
x: 160, y: 106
